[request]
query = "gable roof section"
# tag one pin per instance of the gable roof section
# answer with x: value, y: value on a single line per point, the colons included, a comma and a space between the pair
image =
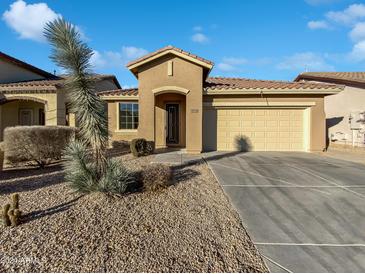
x: 133, y: 65
x: 345, y: 78
x: 223, y: 85
x: 26, y: 66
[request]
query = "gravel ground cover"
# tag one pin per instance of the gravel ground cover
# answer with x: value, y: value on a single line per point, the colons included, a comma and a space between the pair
x: 188, y: 227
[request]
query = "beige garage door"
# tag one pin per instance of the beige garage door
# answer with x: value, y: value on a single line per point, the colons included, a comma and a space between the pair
x: 260, y: 129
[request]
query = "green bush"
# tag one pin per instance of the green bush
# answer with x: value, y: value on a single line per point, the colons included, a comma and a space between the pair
x: 81, y: 172
x: 39, y: 144
x: 141, y: 147
x: 155, y: 177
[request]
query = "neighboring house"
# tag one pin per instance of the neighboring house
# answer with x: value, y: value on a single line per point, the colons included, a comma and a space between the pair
x: 178, y: 105
x: 345, y: 110
x: 31, y: 96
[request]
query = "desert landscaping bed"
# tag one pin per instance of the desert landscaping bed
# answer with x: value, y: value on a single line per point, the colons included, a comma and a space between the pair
x: 188, y: 227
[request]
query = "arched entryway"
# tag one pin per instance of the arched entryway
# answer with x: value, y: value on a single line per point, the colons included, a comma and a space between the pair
x: 23, y: 111
x: 170, y: 117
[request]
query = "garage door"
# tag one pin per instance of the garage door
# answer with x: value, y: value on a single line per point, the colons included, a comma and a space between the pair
x: 260, y: 129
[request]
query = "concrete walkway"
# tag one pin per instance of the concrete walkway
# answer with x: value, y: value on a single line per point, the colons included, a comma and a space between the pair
x: 305, y: 212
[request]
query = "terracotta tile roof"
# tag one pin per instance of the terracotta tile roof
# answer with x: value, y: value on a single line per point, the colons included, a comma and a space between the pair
x: 169, y: 48
x: 222, y: 83
x: 119, y: 92
x: 47, y: 84
x: 335, y: 77
x: 44, y: 85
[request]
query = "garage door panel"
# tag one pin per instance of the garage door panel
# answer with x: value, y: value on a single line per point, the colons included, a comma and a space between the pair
x: 263, y: 129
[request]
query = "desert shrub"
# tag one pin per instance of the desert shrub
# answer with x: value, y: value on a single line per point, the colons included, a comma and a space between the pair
x: 141, y: 147
x: 155, y: 177
x: 39, y: 144
x: 81, y: 172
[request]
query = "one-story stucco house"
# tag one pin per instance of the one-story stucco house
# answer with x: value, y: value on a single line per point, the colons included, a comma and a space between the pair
x: 31, y: 96
x: 177, y: 104
x: 345, y: 110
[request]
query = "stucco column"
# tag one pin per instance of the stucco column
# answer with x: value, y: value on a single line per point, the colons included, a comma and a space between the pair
x: 194, y: 122
x: 318, y: 127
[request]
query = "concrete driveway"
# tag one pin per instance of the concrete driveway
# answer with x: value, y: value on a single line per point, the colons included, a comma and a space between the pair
x: 305, y: 212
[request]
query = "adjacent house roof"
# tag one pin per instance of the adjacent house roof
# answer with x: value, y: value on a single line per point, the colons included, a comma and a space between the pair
x: 27, y: 66
x: 223, y: 84
x: 345, y: 78
x: 133, y: 65
x: 48, y: 84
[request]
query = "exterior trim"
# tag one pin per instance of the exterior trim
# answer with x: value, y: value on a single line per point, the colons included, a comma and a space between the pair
x: 25, y: 98
x: 119, y: 97
x: 118, y: 110
x: 170, y: 89
x: 170, y: 51
x: 268, y: 91
x: 260, y: 104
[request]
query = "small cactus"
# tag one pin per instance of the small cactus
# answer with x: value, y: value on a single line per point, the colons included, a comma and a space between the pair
x: 14, y: 216
x: 15, y: 201
x: 5, y: 215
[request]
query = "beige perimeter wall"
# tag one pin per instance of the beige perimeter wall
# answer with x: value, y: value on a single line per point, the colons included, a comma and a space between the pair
x: 338, y: 108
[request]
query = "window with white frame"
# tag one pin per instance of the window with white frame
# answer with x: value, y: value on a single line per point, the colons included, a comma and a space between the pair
x: 128, y: 115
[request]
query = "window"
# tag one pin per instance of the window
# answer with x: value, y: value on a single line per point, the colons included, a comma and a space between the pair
x: 128, y: 115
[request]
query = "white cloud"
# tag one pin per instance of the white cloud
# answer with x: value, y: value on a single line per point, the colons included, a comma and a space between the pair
x: 318, y: 25
x: 305, y: 61
x: 226, y: 67
x: 350, y: 15
x: 116, y: 59
x: 358, y: 32
x: 133, y: 52
x: 199, y: 38
x: 358, y: 52
x: 198, y: 28
x: 234, y: 60
x: 28, y: 20
x: 231, y: 63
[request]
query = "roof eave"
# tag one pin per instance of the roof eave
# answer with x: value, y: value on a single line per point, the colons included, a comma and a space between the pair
x: 119, y: 97
x: 208, y: 91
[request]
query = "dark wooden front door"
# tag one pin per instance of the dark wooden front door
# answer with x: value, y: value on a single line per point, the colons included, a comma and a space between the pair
x: 172, y: 123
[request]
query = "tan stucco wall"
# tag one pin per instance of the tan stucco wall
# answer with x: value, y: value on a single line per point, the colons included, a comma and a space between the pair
x: 113, y: 127
x: 338, y: 108
x: 185, y: 75
x: 317, y: 134
x: 12, y: 73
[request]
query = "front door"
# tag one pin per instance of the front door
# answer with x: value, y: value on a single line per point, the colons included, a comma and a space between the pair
x: 25, y: 117
x: 172, y: 123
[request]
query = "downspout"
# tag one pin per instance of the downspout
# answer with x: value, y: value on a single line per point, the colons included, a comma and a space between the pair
x: 262, y: 96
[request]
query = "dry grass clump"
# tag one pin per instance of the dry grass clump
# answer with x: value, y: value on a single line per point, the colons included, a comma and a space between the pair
x: 155, y: 177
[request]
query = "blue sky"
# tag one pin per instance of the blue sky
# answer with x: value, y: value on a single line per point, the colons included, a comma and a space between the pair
x: 254, y: 39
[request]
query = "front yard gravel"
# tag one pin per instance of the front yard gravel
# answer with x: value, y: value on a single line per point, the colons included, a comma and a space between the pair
x: 188, y: 227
